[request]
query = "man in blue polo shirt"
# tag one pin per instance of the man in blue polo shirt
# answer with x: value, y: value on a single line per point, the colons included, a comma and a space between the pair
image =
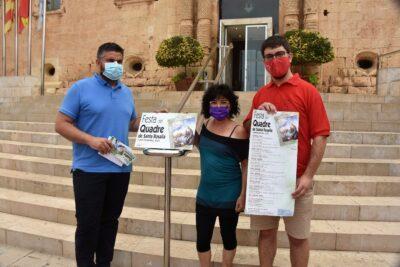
x: 94, y: 109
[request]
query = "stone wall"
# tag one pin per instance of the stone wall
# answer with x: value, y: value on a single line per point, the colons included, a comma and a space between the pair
x: 356, y: 28
x: 389, y: 82
x: 13, y: 88
x: 75, y: 32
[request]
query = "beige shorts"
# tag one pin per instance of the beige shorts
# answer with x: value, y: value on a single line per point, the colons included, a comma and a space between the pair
x: 297, y: 226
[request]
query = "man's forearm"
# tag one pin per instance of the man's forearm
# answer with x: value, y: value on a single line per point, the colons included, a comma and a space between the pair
x: 317, y: 153
x: 134, y: 125
x: 73, y: 134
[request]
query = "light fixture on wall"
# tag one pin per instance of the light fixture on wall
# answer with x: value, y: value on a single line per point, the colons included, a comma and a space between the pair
x: 249, y: 6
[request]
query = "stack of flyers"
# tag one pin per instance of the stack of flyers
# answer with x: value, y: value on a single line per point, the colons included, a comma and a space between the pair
x: 120, y: 154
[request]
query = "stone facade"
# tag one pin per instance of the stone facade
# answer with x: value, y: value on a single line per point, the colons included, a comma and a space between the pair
x: 358, y: 30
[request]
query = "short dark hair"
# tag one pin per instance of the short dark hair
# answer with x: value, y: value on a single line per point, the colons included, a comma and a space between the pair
x: 106, y: 47
x: 274, y: 42
x: 220, y: 90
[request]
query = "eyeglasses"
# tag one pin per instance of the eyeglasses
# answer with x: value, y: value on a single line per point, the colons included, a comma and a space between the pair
x: 278, y: 54
x: 221, y: 103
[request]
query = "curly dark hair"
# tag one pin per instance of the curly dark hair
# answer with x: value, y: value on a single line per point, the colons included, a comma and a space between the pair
x: 220, y: 90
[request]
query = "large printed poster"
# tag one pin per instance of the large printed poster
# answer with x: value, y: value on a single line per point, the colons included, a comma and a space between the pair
x: 166, y: 131
x: 271, y: 177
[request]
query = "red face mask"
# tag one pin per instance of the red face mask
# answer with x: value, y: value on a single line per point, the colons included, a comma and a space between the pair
x: 278, y: 67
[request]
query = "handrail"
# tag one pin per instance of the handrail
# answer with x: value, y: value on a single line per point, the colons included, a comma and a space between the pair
x: 191, y: 88
x: 379, y: 64
x: 390, y: 53
x: 221, y: 69
x: 196, y: 80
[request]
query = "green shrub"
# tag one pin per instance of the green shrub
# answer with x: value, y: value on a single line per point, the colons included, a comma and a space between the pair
x: 179, y: 77
x: 179, y: 51
x: 309, y: 47
x: 313, y: 79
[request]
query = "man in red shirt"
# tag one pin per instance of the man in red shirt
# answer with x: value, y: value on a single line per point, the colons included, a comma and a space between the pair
x: 288, y: 92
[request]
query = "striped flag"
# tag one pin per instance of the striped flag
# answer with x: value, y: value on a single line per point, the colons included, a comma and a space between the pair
x: 9, y: 17
x: 23, y: 14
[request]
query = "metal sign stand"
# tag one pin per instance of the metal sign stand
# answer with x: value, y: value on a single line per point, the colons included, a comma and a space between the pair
x: 167, y: 154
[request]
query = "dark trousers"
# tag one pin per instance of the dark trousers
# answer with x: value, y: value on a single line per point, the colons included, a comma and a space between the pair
x: 99, y: 199
x: 205, y: 222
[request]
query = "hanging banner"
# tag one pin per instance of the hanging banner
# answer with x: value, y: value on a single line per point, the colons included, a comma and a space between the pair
x: 271, y: 177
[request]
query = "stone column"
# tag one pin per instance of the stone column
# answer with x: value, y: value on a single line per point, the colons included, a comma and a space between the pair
x: 185, y: 14
x: 310, y: 15
x: 204, y: 17
x: 292, y: 13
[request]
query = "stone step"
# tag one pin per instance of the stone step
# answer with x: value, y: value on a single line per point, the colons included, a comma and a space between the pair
x: 154, y: 175
x: 362, y: 151
x: 373, y: 138
x: 173, y: 98
x: 324, y: 184
x: 326, y: 234
x: 176, y: 96
x: 341, y: 185
x: 338, y: 118
x: 132, y: 250
x: 389, y: 123
x: 25, y: 131
x: 22, y: 257
x: 190, y: 179
x: 9, y: 100
x: 342, y: 137
x: 192, y: 160
x: 362, y: 111
x: 326, y: 207
x: 366, y: 126
x: 32, y: 117
x: 45, y: 127
x: 363, y: 145
x: 51, y: 109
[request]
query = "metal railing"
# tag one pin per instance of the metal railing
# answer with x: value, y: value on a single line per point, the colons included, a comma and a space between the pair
x: 379, y: 61
x: 201, y: 71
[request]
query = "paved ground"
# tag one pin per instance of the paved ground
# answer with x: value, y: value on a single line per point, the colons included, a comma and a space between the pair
x: 17, y: 257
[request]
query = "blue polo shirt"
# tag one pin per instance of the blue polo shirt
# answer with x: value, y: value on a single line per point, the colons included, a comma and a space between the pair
x: 101, y: 111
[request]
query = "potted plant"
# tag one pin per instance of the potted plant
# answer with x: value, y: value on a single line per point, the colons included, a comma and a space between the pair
x: 309, y: 50
x: 180, y: 51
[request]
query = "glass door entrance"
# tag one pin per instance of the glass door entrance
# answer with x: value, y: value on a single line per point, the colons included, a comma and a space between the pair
x: 255, y: 73
x: 244, y: 70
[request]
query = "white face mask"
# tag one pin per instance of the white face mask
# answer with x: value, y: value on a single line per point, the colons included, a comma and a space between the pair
x: 113, y: 70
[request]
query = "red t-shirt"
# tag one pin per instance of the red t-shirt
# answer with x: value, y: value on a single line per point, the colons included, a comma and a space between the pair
x: 299, y: 96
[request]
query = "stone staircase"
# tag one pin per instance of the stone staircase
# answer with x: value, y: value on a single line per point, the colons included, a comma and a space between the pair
x: 356, y: 218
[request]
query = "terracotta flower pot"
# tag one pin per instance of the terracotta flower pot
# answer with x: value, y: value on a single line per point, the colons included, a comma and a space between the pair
x: 184, y: 84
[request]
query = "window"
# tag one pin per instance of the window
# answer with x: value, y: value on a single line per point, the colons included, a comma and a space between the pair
x: 53, y: 5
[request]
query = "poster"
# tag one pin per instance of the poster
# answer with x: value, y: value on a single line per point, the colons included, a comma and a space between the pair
x: 167, y: 131
x: 271, y: 177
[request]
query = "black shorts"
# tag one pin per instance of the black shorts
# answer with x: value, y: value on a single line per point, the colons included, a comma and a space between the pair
x: 205, y: 221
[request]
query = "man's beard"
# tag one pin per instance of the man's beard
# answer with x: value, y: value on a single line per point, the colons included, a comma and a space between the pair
x: 280, y: 78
